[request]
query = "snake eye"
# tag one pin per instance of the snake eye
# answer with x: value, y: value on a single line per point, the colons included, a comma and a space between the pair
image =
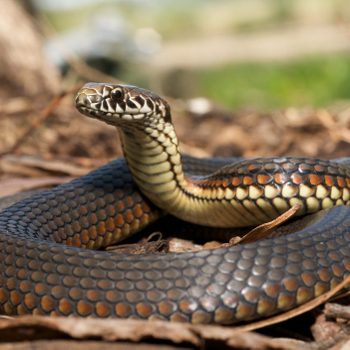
x: 117, y: 94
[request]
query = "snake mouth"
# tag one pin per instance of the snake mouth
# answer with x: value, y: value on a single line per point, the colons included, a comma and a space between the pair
x: 109, y: 118
x: 111, y: 104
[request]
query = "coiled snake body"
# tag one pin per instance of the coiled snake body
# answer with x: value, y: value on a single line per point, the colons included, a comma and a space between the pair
x: 227, y: 285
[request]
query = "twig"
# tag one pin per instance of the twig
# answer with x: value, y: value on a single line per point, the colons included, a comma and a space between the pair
x: 334, y: 310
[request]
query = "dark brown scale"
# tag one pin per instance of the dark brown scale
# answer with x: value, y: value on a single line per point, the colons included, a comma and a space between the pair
x: 131, y: 104
x: 139, y: 99
x: 150, y: 104
x: 122, y: 104
x: 105, y: 105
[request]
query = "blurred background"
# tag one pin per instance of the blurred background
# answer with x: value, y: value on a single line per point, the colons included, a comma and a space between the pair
x: 241, y: 54
x: 243, y: 77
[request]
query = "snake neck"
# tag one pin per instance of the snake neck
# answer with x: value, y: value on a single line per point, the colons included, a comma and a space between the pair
x: 153, y: 158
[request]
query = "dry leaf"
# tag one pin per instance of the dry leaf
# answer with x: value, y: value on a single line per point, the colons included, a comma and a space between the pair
x: 158, y: 332
x: 34, y: 166
x: 15, y: 185
x: 264, y: 230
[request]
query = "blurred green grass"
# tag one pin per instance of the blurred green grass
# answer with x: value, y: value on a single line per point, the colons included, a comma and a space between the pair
x: 312, y: 81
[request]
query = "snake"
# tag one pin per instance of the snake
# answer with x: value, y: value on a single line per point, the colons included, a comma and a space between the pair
x: 51, y: 261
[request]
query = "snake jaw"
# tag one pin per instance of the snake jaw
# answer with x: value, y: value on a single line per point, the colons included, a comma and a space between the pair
x: 116, y: 104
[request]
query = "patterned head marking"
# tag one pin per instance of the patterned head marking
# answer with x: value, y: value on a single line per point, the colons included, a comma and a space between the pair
x: 121, y: 104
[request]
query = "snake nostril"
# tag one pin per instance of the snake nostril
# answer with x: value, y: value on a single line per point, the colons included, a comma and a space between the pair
x: 87, y: 100
x: 94, y: 98
x: 82, y: 100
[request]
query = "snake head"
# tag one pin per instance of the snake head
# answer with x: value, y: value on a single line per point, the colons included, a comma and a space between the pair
x: 121, y: 104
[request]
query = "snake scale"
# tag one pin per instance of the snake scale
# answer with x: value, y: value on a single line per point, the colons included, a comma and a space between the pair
x: 40, y: 275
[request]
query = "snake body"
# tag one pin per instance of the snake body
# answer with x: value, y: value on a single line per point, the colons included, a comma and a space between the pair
x: 227, y: 285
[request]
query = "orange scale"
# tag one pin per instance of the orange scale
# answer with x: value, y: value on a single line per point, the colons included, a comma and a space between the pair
x: 119, y: 220
x: 123, y: 310
x: 15, y: 297
x: 92, y: 232
x: 129, y: 216
x: 217, y: 183
x: 296, y: 178
x: 281, y: 178
x: 120, y: 206
x: 236, y: 181
x: 329, y: 181
x: 65, y: 306
x: 84, y: 308
x: 252, y: 167
x: 30, y: 301
x: 225, y: 183
x: 76, y: 241
x: 222, y: 183
x: 101, y: 228
x: 47, y: 303
x: 102, y: 309
x: 247, y: 180
x: 137, y: 210
x: 341, y: 181
x: 319, y: 167
x: 315, y: 179
x: 129, y: 201
x: 263, y: 179
x: 85, y: 237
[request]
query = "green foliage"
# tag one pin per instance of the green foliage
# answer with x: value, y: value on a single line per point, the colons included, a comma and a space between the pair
x: 316, y: 81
